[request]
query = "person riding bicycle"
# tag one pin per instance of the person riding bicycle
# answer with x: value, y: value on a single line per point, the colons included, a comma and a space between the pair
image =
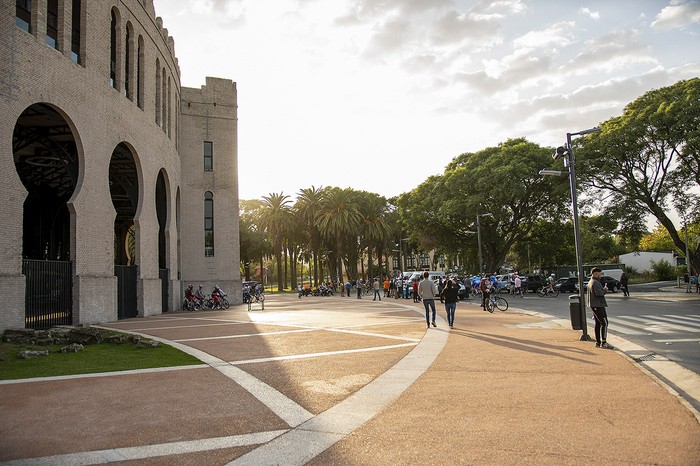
x: 189, y: 295
x: 551, y: 281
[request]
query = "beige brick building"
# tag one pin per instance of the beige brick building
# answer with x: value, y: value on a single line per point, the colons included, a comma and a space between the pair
x: 119, y: 186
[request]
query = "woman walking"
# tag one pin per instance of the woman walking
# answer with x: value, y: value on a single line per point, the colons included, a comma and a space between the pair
x: 450, y: 295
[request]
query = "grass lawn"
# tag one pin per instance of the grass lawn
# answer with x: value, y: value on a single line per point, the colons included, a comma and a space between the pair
x: 105, y: 357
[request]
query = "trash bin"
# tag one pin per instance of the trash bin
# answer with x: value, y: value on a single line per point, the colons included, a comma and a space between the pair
x: 575, y: 311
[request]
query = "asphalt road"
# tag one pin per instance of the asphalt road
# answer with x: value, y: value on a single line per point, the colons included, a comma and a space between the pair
x: 667, y: 323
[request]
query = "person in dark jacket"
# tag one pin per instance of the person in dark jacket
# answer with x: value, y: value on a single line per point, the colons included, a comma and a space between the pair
x: 449, y: 294
x: 624, y: 279
x: 597, y: 302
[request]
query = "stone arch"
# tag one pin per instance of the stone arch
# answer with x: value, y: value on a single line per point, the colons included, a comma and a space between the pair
x: 48, y: 158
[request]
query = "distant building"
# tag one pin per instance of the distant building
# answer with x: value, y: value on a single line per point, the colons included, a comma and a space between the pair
x: 118, y: 185
x: 642, y: 260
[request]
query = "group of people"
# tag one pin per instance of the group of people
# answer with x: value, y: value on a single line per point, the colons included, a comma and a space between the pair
x: 688, y: 280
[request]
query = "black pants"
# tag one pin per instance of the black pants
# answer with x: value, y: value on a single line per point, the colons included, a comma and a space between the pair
x: 601, y: 324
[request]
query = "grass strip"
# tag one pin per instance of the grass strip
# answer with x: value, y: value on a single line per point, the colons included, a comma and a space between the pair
x: 105, y: 357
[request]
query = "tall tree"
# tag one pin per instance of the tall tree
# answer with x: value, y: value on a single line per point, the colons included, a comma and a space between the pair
x: 648, y: 157
x: 338, y: 218
x: 307, y: 207
x: 275, y: 215
x: 253, y: 244
x: 503, y: 181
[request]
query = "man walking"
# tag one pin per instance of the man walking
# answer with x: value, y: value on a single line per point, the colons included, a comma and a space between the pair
x: 428, y: 291
x: 375, y: 285
x: 359, y: 288
x: 597, y: 302
x: 624, y: 281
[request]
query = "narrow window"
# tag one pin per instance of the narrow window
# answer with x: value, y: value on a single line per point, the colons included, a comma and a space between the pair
x: 139, y: 74
x: 23, y: 15
x: 158, y: 93
x: 208, y: 224
x: 164, y: 114
x: 208, y: 156
x: 128, y: 64
x: 113, y: 52
x: 52, y: 23
x: 75, y: 32
x: 170, y: 112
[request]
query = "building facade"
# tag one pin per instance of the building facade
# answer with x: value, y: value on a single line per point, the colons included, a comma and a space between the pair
x: 119, y: 186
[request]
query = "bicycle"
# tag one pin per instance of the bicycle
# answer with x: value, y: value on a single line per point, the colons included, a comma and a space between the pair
x: 548, y: 290
x: 497, y: 302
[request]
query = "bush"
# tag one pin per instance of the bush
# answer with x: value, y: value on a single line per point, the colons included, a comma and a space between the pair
x: 631, y: 271
x: 663, y: 270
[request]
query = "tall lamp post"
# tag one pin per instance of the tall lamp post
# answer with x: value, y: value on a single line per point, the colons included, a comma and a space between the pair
x: 478, y: 238
x: 567, y: 152
x: 403, y: 266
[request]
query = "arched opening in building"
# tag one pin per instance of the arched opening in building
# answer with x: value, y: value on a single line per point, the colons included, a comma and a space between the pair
x: 46, y: 158
x: 162, y: 215
x: 124, y: 189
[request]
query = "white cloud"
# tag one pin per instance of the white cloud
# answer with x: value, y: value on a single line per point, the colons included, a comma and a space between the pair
x: 557, y: 35
x: 591, y: 14
x: 678, y: 14
x: 611, y: 53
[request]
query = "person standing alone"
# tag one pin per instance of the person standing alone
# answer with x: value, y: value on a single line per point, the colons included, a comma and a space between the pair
x: 428, y: 291
x: 624, y: 281
x: 450, y: 296
x: 375, y: 285
x: 597, y: 302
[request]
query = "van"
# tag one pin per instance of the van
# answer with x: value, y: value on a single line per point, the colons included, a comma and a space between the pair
x: 614, y: 273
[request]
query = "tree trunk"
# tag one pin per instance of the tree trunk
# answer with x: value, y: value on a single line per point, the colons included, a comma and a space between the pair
x: 370, y: 265
x: 286, y: 265
x: 293, y: 266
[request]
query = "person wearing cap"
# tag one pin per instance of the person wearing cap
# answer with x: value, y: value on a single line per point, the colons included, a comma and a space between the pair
x: 597, y: 303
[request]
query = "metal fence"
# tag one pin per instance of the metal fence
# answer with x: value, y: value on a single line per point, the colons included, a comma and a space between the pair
x: 164, y: 283
x: 126, y: 291
x: 48, y: 296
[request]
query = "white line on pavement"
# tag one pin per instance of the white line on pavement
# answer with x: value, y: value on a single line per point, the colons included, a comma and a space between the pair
x: 149, y: 451
x: 227, y: 337
x: 103, y: 374
x: 318, y: 355
x: 679, y: 340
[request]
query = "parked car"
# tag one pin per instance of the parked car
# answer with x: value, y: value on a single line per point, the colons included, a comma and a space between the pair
x: 567, y: 285
x: 534, y: 282
x: 613, y: 285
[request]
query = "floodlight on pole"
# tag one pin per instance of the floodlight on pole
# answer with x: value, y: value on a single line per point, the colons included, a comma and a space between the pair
x: 567, y: 152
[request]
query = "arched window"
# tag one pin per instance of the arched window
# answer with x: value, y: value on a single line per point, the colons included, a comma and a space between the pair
x: 52, y: 23
x: 113, y: 29
x: 164, y: 101
x: 208, y: 224
x: 158, y: 93
x: 23, y: 15
x: 139, y: 73
x: 76, y: 17
x: 129, y: 62
x: 170, y: 113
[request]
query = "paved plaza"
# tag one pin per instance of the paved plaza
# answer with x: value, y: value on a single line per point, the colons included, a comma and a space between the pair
x: 331, y: 380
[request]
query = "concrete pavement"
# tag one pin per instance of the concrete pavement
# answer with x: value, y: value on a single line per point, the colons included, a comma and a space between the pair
x: 330, y: 380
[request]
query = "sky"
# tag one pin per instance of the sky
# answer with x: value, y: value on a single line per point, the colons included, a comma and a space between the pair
x: 378, y: 95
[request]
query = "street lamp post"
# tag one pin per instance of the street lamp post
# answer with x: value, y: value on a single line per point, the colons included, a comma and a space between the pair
x: 570, y: 163
x: 478, y: 238
x: 401, y: 241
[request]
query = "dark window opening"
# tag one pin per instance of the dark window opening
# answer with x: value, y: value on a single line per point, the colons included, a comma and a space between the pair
x: 52, y: 23
x: 75, y: 32
x: 23, y: 15
x: 113, y: 52
x: 208, y: 224
x: 208, y: 156
x: 127, y: 63
x: 139, y: 74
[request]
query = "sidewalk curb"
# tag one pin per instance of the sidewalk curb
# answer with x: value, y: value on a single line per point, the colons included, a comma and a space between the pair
x: 632, y: 351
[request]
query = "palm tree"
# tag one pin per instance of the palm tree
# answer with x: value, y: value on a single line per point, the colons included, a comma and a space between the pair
x: 338, y: 217
x: 275, y: 215
x: 308, y: 205
x: 375, y: 228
